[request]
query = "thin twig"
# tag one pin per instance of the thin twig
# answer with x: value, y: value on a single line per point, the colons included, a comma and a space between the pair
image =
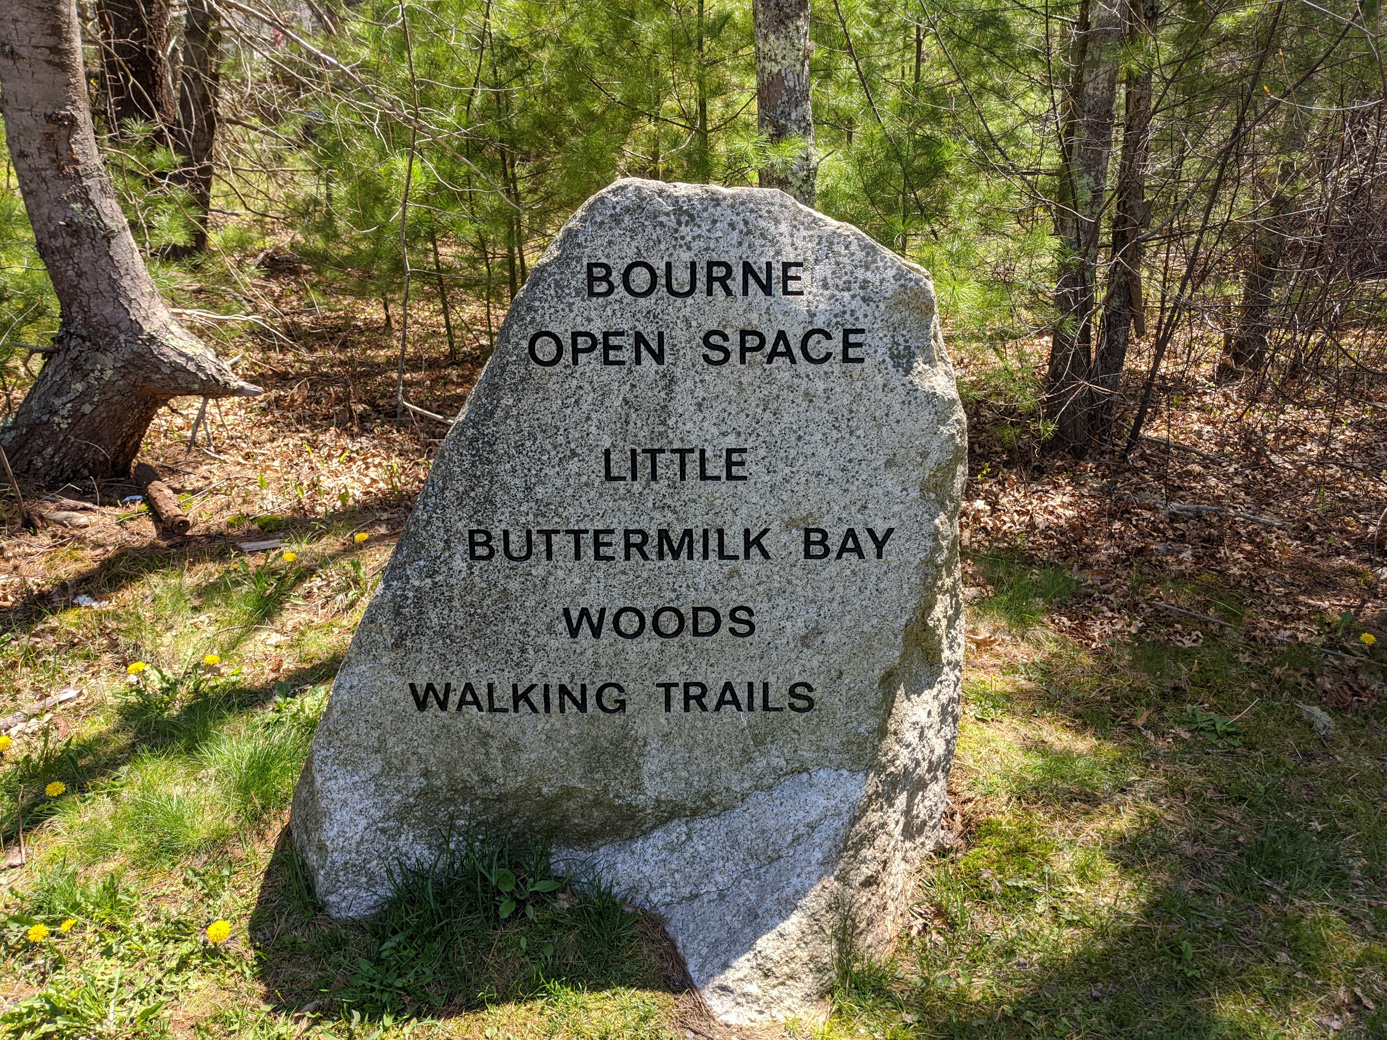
x: 426, y: 414
x: 1189, y: 613
x: 26, y: 518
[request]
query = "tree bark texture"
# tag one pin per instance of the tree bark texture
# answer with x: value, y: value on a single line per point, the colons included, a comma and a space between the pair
x: 134, y: 62
x: 120, y: 353
x: 783, y: 110
x: 1245, y: 347
x: 1124, y: 308
x: 197, y: 109
x: 1086, y: 145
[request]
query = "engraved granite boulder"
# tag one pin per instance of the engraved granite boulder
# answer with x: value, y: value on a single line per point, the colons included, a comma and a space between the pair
x: 680, y: 595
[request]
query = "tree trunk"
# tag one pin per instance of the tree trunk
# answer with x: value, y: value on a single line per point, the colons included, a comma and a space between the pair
x: 783, y: 111
x: 1245, y: 347
x: 120, y: 354
x: 134, y: 62
x: 197, y: 109
x: 1086, y: 144
x: 1124, y: 310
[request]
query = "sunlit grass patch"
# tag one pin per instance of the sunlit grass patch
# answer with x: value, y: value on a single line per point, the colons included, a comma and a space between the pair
x: 1022, y: 593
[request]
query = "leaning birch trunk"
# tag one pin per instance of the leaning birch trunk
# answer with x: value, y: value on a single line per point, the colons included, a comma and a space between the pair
x: 783, y: 110
x: 1124, y: 311
x: 1086, y: 144
x: 120, y: 353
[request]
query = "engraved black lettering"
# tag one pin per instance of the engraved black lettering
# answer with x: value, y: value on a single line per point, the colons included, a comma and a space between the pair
x: 618, y: 706
x: 727, y: 698
x: 491, y: 706
x: 816, y: 543
x: 852, y: 341
x: 587, y: 338
x: 421, y: 699
x: 468, y: 698
x: 479, y: 545
x: 628, y: 612
x: 669, y: 279
x: 787, y: 276
x: 535, y: 349
x: 656, y: 352
x: 694, y: 693
x: 594, y: 624
x: 579, y: 702
x: 548, y: 533
x: 529, y: 546
x: 667, y: 549
x: 723, y: 554
x: 749, y: 336
x: 815, y: 359
x: 607, y: 473
x: 732, y: 462
x: 749, y: 543
x: 718, y: 272
x: 651, y: 279
x: 675, y: 627
x: 850, y: 545
x: 750, y: 274
x: 600, y: 280
x: 740, y: 623
x: 612, y: 345
x: 766, y: 704
x: 713, y: 626
x: 781, y: 348
x: 880, y: 543
x: 602, y: 543
x: 801, y: 701
x: 715, y: 340
x: 519, y: 697
x: 635, y: 540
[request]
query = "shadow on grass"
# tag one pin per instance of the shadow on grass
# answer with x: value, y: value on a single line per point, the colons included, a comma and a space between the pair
x: 129, y: 566
x: 143, y: 725
x: 491, y: 925
x: 1158, y: 845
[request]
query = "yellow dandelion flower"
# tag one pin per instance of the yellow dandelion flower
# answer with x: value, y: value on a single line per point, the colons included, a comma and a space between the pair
x: 1367, y: 639
x: 360, y: 537
x: 54, y: 789
x: 218, y: 931
x: 135, y: 668
x: 290, y: 557
x: 37, y: 934
x: 211, y: 659
x: 66, y: 926
x: 5, y: 742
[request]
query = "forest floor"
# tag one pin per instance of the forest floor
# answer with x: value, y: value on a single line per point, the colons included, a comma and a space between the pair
x: 1167, y: 808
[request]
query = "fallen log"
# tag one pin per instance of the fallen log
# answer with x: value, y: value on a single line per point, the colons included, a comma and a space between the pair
x: 161, y: 499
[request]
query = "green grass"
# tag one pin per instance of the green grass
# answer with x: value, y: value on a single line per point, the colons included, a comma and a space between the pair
x: 1155, y: 844
x: 1021, y: 594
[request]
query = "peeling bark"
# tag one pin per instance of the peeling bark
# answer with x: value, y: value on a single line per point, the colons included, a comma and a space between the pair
x: 120, y: 353
x: 783, y: 110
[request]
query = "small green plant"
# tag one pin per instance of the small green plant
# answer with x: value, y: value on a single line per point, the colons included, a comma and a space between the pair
x: 1187, y: 966
x: 1212, y: 725
x: 450, y: 923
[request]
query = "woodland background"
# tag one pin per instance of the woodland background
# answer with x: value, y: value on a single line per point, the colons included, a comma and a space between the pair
x: 1158, y: 232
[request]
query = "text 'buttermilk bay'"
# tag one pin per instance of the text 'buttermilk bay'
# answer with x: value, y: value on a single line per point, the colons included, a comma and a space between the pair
x: 637, y: 544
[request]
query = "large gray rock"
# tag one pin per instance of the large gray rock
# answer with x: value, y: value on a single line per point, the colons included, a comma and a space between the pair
x: 758, y: 753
